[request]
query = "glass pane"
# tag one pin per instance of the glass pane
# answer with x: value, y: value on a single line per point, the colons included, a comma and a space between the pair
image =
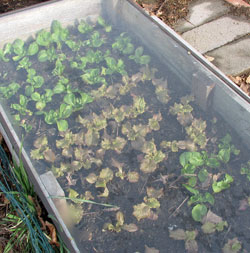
x: 131, y: 125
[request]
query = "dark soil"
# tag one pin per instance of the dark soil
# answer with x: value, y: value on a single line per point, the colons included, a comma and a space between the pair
x: 169, y: 11
x: 10, y: 5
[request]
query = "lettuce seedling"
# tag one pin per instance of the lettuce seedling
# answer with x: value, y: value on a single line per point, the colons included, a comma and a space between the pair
x: 123, y: 44
x: 74, y: 46
x: 57, y: 116
x: 47, y: 55
x: 114, y: 66
x: 95, y: 40
x: 59, y: 68
x: 207, y: 197
x: 58, y: 34
x: 43, y: 38
x: 61, y: 85
x: 33, y: 49
x: 10, y: 90
x: 101, y: 21
x: 92, y: 76
x: 226, y: 148
x: 36, y: 81
x: 24, y: 64
x: 77, y: 102
x: 139, y: 58
x: 6, y: 50
x: 218, y: 186
x: 22, y: 106
x: 42, y: 100
x: 94, y: 56
x: 18, y: 49
x: 84, y: 27
x: 199, y: 211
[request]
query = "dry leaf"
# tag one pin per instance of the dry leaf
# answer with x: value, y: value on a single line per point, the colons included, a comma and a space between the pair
x: 211, y: 217
x: 178, y: 234
x: 116, y: 164
x: 243, y: 205
x: 232, y: 246
x: 207, y: 182
x: 141, y: 211
x: 151, y: 250
x: 52, y: 234
x: 120, y: 218
x: 216, y: 177
x: 152, y: 216
x: 153, y: 193
x: 191, y: 246
x: 49, y: 155
x: 248, y: 79
x: 133, y: 176
x: 91, y: 178
x: 209, y: 58
x: 130, y: 227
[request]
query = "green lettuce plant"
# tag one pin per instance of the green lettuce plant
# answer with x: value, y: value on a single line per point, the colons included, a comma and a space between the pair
x: 43, y: 38
x: 123, y: 44
x: 10, y: 90
x: 18, y: 49
x: 198, y: 212
x: 226, y: 149
x: 218, y: 186
x: 101, y: 21
x: 59, y: 116
x: 114, y: 66
x: 84, y: 27
x: 75, y: 46
x: 92, y: 76
x: 42, y: 100
x: 95, y: 40
x: 139, y: 58
x: 61, y: 86
x: 59, y: 68
x: 77, y: 103
x: 47, y: 54
x: 58, y: 33
x: 35, y: 81
x: 33, y: 49
x: 22, y: 106
x: 91, y: 57
x: 5, y: 51
x: 25, y: 63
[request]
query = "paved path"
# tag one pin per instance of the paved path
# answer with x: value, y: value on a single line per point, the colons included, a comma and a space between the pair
x: 214, y: 31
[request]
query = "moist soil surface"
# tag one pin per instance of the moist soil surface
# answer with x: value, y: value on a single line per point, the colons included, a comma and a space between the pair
x: 10, y: 5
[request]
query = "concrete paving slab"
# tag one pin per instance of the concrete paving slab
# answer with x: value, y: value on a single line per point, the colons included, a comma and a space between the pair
x: 201, y: 12
x: 234, y: 58
x: 217, y: 33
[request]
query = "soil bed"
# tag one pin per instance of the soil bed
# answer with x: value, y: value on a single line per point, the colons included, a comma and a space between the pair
x: 117, y: 128
x: 124, y: 148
